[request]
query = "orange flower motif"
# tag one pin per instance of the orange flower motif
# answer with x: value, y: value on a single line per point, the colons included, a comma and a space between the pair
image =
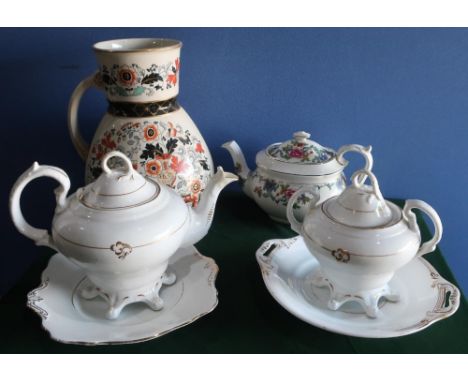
x: 177, y: 64
x: 172, y: 79
x: 150, y: 132
x: 177, y: 166
x: 127, y: 76
x: 196, y: 186
x: 153, y: 167
x: 192, y: 199
x: 199, y: 148
x: 107, y: 141
x: 164, y: 157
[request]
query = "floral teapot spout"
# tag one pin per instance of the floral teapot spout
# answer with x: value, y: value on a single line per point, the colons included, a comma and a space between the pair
x: 361, y: 240
x: 121, y: 229
x: 283, y: 168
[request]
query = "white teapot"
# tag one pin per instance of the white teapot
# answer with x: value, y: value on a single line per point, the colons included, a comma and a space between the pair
x: 121, y: 229
x: 360, y: 240
x: 283, y: 168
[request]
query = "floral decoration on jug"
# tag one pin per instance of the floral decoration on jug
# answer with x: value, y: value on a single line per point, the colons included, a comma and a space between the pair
x: 159, y: 149
x: 133, y: 80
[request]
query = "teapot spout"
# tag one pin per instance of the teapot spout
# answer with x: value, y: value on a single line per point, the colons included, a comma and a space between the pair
x: 201, y: 216
x: 238, y: 158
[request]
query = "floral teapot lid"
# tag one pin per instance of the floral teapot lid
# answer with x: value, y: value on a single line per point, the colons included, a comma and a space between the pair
x: 299, y: 156
x: 118, y: 188
x: 360, y: 205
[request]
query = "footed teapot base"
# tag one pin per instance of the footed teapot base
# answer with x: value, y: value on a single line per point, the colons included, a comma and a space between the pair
x: 368, y: 300
x: 117, y: 300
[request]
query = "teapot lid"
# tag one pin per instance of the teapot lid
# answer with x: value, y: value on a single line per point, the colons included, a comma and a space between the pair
x: 118, y: 188
x: 360, y: 205
x: 299, y: 156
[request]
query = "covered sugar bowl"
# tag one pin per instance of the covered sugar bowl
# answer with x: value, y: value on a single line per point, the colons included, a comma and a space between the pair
x: 360, y: 240
x: 121, y: 229
x: 283, y: 168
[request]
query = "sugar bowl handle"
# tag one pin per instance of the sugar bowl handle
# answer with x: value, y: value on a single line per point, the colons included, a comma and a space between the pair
x: 295, y: 224
x: 364, y: 151
x: 410, y: 217
x: 80, y: 144
x: 39, y: 236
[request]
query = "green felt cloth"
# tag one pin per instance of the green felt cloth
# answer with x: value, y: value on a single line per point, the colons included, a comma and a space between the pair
x: 247, y: 319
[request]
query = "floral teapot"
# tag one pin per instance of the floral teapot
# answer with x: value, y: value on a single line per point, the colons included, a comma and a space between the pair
x: 121, y: 229
x: 283, y: 168
x: 361, y: 240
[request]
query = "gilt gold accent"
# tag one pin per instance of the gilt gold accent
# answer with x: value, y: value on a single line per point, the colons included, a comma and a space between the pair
x: 341, y: 255
x: 121, y: 249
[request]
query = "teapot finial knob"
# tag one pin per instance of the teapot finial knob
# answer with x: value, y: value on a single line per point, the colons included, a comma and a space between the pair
x: 126, y: 160
x: 301, y: 136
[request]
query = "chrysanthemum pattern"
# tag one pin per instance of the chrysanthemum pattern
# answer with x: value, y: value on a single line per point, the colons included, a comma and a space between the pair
x: 163, y: 150
x: 298, y: 152
x: 133, y: 80
x: 280, y: 192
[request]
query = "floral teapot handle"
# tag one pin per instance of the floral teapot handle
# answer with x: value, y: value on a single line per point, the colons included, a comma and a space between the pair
x: 296, y: 225
x: 39, y: 236
x: 364, y: 151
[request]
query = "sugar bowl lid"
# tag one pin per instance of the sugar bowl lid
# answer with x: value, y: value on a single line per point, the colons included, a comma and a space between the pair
x: 118, y: 188
x: 360, y: 205
x: 299, y: 156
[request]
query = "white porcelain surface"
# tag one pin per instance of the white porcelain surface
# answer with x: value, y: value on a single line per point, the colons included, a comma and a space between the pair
x: 360, y: 240
x: 121, y: 229
x: 283, y: 168
x: 425, y: 297
x: 71, y: 319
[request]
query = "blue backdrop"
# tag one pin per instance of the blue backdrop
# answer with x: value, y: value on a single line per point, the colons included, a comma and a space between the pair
x: 405, y: 91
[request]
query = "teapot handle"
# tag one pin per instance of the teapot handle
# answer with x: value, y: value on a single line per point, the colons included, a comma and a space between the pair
x: 80, y: 144
x: 295, y: 224
x: 364, y: 151
x: 410, y: 217
x: 39, y: 236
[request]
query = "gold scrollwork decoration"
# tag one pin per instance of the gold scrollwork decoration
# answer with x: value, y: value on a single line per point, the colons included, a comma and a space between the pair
x: 341, y: 255
x: 121, y: 249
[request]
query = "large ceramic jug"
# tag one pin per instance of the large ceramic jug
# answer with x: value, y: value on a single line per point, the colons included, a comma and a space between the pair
x: 144, y: 121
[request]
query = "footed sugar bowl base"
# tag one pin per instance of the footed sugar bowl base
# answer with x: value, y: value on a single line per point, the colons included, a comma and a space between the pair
x: 361, y: 240
x: 368, y: 299
x: 287, y: 267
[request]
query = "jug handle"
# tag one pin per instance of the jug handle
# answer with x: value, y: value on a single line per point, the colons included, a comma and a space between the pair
x: 39, y: 236
x: 80, y: 144
x: 295, y: 224
x: 410, y: 217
